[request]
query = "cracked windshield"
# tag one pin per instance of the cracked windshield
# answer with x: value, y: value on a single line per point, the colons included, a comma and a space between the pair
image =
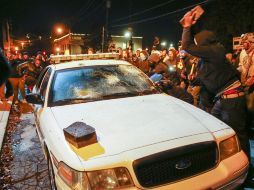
x: 100, y: 82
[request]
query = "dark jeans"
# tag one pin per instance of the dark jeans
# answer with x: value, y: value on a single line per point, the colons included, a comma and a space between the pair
x: 6, y: 94
x: 9, y: 90
x: 233, y: 112
x: 18, y: 84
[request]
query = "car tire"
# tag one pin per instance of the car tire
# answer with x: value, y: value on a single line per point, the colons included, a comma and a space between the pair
x: 51, y: 173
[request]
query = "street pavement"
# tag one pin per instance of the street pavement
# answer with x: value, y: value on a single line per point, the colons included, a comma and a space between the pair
x: 23, y: 164
x: 29, y: 167
x: 4, y: 115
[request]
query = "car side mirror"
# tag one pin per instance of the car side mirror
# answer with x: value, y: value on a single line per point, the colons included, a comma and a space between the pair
x: 34, y: 98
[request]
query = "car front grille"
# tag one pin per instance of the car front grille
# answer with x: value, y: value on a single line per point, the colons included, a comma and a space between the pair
x: 175, y: 164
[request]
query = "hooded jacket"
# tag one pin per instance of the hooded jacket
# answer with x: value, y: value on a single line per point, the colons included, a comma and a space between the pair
x: 214, y: 73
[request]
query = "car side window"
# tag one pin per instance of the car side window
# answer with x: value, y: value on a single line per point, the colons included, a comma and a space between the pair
x: 44, y: 83
x: 38, y: 84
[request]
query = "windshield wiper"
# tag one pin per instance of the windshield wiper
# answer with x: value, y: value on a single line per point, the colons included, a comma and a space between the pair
x: 130, y: 94
x: 73, y: 100
x: 104, y: 97
x: 149, y: 91
x: 120, y: 94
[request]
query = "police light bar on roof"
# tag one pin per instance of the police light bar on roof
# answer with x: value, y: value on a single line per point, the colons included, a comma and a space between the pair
x: 66, y: 58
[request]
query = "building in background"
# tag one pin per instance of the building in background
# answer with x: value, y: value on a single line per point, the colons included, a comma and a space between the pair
x: 123, y: 42
x: 70, y: 44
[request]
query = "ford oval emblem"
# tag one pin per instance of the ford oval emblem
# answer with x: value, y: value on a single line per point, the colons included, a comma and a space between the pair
x: 183, y: 164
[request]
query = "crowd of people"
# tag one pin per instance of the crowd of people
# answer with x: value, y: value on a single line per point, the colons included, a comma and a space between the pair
x: 173, y: 68
x: 202, y: 73
x: 198, y: 72
x: 175, y: 71
x: 24, y: 72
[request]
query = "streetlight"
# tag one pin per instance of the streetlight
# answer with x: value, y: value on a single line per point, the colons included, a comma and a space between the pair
x: 171, y: 45
x: 59, y: 30
x: 16, y: 49
x: 57, y: 50
x: 127, y: 34
x: 163, y: 43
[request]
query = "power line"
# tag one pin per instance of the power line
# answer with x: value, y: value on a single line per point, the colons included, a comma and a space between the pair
x: 79, y: 12
x: 83, y: 12
x: 89, y: 14
x: 144, y: 11
x: 82, y: 9
x: 160, y: 16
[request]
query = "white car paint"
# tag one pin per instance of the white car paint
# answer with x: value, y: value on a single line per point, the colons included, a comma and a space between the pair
x: 135, y: 127
x: 133, y: 122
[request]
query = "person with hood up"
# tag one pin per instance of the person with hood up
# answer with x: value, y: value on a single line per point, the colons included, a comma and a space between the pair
x: 218, y: 78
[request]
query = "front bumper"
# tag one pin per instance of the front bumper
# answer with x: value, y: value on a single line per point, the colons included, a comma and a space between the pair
x: 228, y: 175
x: 234, y: 183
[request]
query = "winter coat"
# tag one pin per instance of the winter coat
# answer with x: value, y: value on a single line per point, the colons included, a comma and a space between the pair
x: 143, y: 66
x: 214, y: 73
x: 29, y: 69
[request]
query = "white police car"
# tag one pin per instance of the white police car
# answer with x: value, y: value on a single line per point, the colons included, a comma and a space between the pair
x: 141, y: 138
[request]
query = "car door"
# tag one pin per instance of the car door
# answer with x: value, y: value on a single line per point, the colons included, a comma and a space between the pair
x: 41, y: 89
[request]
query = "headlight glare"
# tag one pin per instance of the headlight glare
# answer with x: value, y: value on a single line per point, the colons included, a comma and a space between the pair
x: 229, y: 147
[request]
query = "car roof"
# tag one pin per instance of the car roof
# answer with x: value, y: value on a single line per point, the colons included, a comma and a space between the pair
x: 82, y: 63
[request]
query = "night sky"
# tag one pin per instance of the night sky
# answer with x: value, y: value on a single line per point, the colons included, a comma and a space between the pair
x: 38, y: 17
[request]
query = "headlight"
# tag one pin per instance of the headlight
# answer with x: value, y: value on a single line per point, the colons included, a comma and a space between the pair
x: 97, y: 180
x: 229, y: 147
x: 110, y: 179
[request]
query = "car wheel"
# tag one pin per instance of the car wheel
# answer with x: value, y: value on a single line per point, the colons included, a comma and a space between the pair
x: 51, y: 173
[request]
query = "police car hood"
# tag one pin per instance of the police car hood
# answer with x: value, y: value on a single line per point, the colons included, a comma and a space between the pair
x: 134, y: 122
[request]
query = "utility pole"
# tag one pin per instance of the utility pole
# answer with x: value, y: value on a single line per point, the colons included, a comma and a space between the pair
x: 103, y: 39
x: 6, y: 35
x: 108, y: 6
x: 130, y: 41
x: 130, y: 27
